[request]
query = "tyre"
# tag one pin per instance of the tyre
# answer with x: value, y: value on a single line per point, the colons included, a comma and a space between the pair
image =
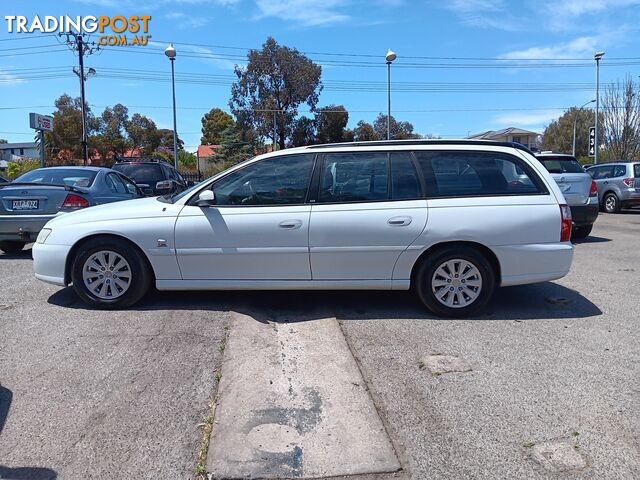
x: 11, y: 247
x: 109, y: 274
x: 582, y: 232
x: 455, y: 282
x: 611, y: 203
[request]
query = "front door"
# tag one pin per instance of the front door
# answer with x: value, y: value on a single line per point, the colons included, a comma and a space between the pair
x: 258, y: 229
x: 368, y: 211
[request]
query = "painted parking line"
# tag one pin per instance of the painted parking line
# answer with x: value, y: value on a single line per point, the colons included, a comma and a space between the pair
x: 293, y: 404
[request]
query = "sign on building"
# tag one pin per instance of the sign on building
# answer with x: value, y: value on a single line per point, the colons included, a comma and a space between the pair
x: 41, y: 122
x: 592, y: 141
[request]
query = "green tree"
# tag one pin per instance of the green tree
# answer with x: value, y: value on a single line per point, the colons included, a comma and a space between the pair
x: 166, y: 140
x: 2, y: 140
x: 65, y: 140
x: 303, y: 132
x: 331, y: 122
x: 364, y: 132
x: 276, y: 79
x: 142, y: 134
x: 111, y: 138
x: 233, y: 148
x: 214, y: 123
x: 398, y: 130
x: 558, y: 136
x: 187, y: 159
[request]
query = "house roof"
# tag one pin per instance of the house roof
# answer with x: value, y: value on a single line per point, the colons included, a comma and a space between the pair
x: 492, y: 134
x: 205, y: 151
x: 7, y: 146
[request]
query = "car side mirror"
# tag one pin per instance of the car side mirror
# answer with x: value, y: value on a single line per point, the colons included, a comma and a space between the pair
x: 206, y: 199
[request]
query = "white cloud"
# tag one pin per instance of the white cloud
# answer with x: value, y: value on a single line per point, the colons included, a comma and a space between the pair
x: 485, y: 14
x: 184, y: 21
x: 9, y: 79
x: 305, y: 12
x: 582, y: 47
x: 535, y: 120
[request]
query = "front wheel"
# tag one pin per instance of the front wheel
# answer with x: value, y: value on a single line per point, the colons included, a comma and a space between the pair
x: 456, y: 282
x: 611, y: 203
x: 109, y: 274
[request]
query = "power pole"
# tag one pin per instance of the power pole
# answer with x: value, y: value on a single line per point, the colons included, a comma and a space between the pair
x: 77, y: 43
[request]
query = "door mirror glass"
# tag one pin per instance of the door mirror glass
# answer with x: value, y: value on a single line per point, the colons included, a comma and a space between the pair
x: 206, y: 199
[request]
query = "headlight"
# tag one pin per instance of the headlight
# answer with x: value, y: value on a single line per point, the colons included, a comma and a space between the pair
x: 43, y: 235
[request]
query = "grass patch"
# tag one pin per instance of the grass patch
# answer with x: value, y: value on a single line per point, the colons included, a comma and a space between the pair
x: 528, y: 444
x: 207, y: 426
x: 223, y: 345
x: 421, y: 364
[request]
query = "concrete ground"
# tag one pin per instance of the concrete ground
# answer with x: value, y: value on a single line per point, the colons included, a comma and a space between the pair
x: 543, y: 385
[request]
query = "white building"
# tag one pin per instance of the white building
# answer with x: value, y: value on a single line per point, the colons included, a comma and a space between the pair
x: 9, y: 151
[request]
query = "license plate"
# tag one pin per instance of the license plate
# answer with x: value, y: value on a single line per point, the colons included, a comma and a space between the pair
x: 25, y: 205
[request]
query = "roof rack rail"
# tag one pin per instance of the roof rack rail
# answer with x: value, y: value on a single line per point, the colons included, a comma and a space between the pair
x: 385, y: 143
x: 119, y: 158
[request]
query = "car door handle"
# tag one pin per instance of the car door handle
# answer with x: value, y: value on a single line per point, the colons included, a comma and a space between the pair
x: 399, y: 221
x: 290, y: 224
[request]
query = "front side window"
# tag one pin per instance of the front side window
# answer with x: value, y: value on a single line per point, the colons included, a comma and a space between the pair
x: 468, y: 174
x: 273, y: 181
x: 354, y: 177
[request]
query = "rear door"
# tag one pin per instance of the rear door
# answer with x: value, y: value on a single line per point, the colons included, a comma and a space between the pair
x: 602, y: 175
x: 572, y: 179
x: 369, y: 209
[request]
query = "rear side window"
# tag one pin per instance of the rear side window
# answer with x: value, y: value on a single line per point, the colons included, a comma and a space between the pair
x: 561, y: 164
x: 619, y: 170
x: 470, y: 174
x: 636, y: 170
x: 404, y: 178
x: 354, y: 177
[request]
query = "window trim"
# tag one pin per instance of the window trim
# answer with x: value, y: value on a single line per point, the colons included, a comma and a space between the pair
x: 528, y: 169
x: 194, y: 198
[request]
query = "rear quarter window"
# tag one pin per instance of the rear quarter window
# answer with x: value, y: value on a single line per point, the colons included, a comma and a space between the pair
x: 636, y: 170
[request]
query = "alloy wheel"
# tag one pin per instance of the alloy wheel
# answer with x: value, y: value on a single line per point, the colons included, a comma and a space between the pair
x: 106, y: 274
x: 456, y: 283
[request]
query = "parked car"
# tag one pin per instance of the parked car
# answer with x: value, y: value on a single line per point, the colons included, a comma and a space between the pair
x: 453, y: 219
x: 578, y: 189
x: 154, y: 177
x: 618, y: 185
x: 37, y: 196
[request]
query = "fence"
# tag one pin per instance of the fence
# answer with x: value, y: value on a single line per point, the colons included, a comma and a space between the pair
x: 192, y: 176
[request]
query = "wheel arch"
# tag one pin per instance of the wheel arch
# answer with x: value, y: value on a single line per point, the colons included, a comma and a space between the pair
x: 74, y: 249
x: 483, y: 249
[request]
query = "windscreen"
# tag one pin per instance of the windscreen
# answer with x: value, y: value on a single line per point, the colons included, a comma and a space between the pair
x: 74, y: 177
x: 561, y: 165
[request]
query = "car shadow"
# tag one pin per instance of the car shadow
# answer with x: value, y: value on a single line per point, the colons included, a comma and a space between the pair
x: 19, y: 473
x: 592, y: 239
x: 528, y: 302
x: 24, y: 254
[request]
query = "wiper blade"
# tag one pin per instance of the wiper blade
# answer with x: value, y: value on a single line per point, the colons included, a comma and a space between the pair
x: 68, y: 188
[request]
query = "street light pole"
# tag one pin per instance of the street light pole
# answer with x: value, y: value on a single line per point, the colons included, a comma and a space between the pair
x: 389, y: 57
x: 597, y: 57
x: 575, y: 119
x: 170, y: 52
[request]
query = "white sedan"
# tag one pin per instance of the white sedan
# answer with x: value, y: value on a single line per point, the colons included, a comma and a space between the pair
x: 454, y: 219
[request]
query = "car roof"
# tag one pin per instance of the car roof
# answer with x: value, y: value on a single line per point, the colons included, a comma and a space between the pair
x: 75, y: 167
x: 415, y: 142
x: 554, y: 155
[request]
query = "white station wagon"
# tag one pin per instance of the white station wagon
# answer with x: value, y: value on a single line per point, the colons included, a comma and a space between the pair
x: 451, y: 219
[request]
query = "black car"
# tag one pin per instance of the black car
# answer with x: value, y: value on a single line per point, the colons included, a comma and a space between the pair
x: 153, y: 176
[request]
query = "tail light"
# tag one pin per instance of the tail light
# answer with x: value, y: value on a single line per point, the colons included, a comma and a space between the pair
x: 593, y: 191
x: 164, y: 185
x: 565, y: 228
x: 629, y: 182
x: 74, y: 201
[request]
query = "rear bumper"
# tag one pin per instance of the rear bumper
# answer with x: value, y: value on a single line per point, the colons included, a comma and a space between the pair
x: 49, y: 262
x: 583, y: 215
x: 533, y: 263
x: 22, y: 227
x: 630, y: 199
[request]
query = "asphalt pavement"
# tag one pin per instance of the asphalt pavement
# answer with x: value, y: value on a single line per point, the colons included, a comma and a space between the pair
x: 545, y: 384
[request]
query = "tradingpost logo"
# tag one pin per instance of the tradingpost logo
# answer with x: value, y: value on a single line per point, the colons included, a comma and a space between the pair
x: 113, y: 30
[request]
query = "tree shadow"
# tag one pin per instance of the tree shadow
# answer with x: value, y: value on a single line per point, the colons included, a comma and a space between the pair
x: 19, y: 473
x: 527, y: 302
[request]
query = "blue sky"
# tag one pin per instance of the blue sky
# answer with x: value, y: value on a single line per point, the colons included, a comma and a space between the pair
x: 463, y: 65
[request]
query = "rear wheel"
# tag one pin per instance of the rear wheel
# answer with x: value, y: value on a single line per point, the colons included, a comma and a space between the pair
x: 611, y: 203
x: 11, y: 248
x: 582, y: 232
x: 110, y: 274
x: 455, y: 282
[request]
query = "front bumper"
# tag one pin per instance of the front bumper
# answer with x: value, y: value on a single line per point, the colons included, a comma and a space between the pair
x: 583, y: 215
x: 49, y: 262
x: 24, y: 228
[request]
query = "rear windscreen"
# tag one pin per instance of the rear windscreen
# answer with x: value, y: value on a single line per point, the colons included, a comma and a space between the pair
x: 141, y: 172
x: 74, y: 177
x: 561, y: 165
